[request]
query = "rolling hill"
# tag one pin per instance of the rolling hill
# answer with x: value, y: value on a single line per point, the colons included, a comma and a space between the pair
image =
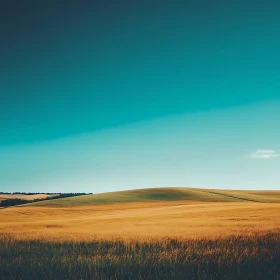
x: 156, y: 212
x: 166, y: 194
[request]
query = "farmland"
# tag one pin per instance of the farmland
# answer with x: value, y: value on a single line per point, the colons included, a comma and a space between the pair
x: 24, y: 196
x: 168, y: 233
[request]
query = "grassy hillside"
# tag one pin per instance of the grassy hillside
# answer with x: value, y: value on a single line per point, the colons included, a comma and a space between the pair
x: 254, y: 196
x: 167, y: 194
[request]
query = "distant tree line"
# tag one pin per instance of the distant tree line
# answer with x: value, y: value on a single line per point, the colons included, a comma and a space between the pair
x: 63, y: 195
x: 26, y: 193
x: 49, y: 193
x: 17, y: 201
x: 13, y: 202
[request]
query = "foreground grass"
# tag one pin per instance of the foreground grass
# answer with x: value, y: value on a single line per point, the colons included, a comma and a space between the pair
x: 234, y: 257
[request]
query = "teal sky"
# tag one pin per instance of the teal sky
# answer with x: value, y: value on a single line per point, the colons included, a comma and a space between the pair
x: 146, y: 94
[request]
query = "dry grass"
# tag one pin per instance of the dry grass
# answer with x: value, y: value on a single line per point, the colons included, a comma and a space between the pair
x: 24, y: 196
x: 140, y: 219
x: 190, y: 236
x: 236, y: 257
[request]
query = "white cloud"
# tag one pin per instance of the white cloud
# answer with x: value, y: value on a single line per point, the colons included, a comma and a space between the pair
x: 264, y: 154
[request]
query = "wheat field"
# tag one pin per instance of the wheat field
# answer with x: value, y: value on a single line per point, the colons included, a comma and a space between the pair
x: 144, y: 234
x: 24, y: 196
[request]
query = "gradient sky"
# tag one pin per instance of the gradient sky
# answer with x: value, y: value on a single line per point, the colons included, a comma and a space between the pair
x: 109, y: 95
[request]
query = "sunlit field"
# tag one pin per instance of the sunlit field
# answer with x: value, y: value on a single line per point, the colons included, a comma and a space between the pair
x: 24, y: 196
x: 144, y: 234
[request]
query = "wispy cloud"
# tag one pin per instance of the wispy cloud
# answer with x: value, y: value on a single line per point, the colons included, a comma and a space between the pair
x: 264, y: 154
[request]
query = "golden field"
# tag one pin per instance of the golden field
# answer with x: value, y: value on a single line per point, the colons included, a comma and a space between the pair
x: 192, y: 213
x: 172, y: 219
x: 24, y: 196
x: 171, y: 233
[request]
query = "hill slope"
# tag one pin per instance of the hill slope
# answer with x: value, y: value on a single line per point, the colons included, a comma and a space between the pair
x: 167, y: 194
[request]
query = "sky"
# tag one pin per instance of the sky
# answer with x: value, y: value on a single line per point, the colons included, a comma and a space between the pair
x: 112, y: 95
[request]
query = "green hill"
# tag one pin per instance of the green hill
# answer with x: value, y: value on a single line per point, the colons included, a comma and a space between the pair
x: 166, y: 194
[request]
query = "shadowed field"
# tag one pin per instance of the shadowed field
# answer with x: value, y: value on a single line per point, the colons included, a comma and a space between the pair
x: 239, y: 257
x: 171, y: 233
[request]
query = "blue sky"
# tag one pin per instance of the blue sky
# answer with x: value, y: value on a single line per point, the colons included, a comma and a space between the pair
x: 223, y: 148
x: 102, y: 97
